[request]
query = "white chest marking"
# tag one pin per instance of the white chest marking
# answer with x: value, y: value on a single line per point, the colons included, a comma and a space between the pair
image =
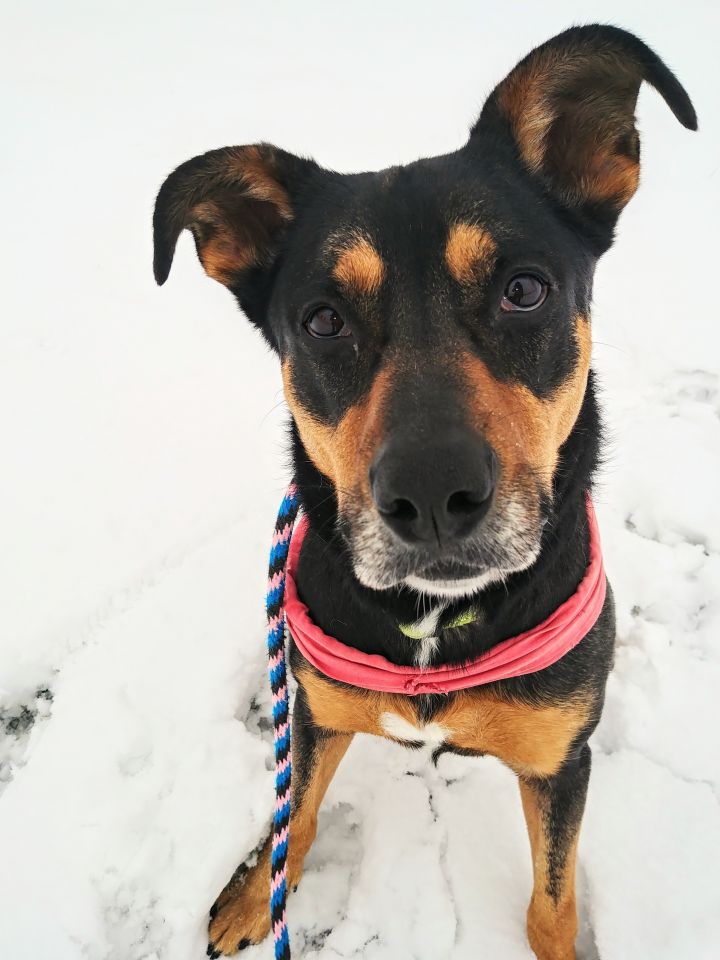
x: 423, y: 633
x: 426, y: 648
x: 396, y: 726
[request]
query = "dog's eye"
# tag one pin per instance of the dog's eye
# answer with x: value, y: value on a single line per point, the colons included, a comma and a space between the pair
x: 324, y: 323
x: 524, y: 292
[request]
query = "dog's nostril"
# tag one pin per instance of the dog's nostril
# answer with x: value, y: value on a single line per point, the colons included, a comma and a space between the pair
x: 464, y: 503
x: 402, y: 509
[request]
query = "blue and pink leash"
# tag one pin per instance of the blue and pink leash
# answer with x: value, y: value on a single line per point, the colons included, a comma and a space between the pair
x: 277, y: 671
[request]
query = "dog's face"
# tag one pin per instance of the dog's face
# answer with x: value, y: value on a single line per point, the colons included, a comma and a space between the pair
x: 432, y: 324
x: 432, y: 320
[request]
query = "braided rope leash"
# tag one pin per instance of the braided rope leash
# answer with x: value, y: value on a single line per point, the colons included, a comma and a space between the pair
x: 277, y: 671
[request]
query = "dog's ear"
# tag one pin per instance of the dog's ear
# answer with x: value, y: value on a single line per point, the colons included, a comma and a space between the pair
x: 569, y: 108
x: 237, y: 202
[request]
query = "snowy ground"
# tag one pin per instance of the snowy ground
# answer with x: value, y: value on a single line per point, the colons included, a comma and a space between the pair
x: 134, y: 752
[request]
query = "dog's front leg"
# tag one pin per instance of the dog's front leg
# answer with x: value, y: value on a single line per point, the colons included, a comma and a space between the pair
x: 553, y: 810
x: 240, y: 915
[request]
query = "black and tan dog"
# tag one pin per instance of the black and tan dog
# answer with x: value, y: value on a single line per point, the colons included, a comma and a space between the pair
x: 433, y: 325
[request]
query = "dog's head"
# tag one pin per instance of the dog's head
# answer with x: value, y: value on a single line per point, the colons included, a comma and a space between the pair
x: 432, y: 320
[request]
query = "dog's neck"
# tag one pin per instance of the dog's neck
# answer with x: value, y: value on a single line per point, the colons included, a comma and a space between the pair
x: 371, y: 620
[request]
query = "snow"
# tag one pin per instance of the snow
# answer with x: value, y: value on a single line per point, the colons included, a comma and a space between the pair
x: 143, y: 459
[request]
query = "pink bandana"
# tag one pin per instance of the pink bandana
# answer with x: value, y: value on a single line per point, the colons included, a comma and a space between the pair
x: 528, y: 652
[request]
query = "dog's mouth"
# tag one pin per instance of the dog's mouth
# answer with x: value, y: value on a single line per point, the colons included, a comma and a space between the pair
x: 507, y: 542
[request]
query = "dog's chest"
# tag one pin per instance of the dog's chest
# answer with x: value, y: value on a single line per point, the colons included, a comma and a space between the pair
x: 397, y: 727
x: 532, y: 739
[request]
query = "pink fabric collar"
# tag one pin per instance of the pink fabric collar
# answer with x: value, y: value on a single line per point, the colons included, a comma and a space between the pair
x: 526, y: 653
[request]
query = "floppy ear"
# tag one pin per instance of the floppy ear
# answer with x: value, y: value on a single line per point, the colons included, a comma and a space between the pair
x: 569, y: 107
x: 237, y: 201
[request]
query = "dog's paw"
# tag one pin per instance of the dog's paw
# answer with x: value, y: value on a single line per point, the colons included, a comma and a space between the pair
x: 241, y: 914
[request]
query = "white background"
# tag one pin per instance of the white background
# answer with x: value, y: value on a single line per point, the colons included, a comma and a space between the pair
x: 142, y: 436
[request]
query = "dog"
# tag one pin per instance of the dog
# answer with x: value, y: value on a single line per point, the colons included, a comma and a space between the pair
x: 433, y: 326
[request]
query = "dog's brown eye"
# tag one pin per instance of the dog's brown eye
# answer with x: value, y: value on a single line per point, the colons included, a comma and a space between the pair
x: 524, y: 292
x: 324, y: 322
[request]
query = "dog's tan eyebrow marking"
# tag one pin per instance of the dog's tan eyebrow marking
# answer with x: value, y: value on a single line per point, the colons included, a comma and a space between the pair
x: 469, y: 252
x: 359, y: 268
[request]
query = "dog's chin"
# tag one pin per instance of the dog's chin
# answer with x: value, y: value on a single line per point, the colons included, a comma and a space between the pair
x: 459, y: 580
x: 462, y: 587
x: 441, y: 587
x: 446, y: 581
x: 457, y: 587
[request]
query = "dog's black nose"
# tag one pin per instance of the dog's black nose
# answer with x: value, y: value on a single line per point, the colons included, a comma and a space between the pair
x: 434, y: 492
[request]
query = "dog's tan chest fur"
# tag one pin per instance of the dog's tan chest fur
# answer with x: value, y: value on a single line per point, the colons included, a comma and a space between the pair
x: 532, y: 740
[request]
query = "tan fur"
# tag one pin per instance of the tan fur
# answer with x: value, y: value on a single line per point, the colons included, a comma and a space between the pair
x: 585, y: 164
x: 532, y: 740
x: 469, y: 253
x: 343, y: 453
x: 359, y: 268
x: 551, y: 924
x: 223, y: 229
x: 525, y: 431
x: 253, y: 168
x: 349, y: 709
x: 223, y: 252
x: 525, y: 99
x: 608, y: 177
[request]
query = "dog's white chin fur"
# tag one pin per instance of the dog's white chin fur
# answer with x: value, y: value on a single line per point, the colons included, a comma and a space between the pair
x: 471, y: 585
x: 455, y: 588
x: 448, y: 589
